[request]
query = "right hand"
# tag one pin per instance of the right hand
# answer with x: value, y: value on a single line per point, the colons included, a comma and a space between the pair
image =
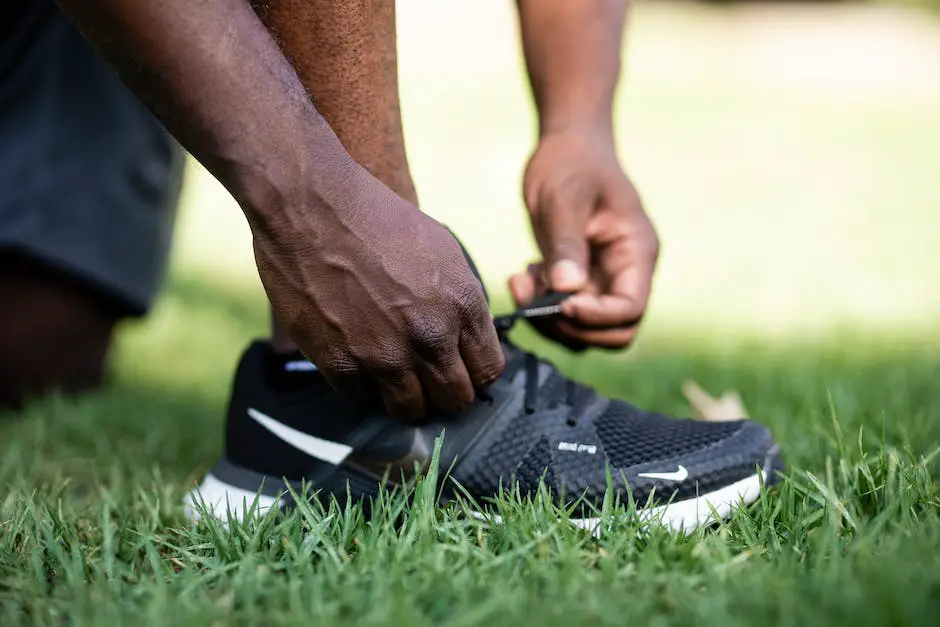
x: 379, y: 296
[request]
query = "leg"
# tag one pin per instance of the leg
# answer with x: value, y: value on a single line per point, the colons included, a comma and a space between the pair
x: 88, y: 183
x: 54, y: 331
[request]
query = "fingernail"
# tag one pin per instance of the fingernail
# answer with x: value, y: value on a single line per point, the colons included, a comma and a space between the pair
x: 569, y: 306
x: 566, y: 275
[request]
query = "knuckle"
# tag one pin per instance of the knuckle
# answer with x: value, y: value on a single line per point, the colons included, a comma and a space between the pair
x: 470, y: 305
x: 388, y: 365
x: 489, y: 371
x: 339, y: 365
x: 569, y: 246
x: 431, y: 336
x: 391, y: 370
x: 468, y: 296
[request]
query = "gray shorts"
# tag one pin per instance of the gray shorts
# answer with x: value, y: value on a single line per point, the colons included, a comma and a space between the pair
x: 89, y: 180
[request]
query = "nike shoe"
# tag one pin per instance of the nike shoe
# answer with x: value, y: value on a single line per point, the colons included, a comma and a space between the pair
x: 286, y: 424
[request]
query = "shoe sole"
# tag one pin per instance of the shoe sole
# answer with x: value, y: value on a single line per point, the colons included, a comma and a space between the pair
x: 224, y: 500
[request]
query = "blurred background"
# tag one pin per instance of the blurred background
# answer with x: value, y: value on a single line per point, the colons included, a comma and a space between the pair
x: 788, y: 153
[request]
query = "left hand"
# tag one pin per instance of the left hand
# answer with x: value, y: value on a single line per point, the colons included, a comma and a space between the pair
x: 595, y: 239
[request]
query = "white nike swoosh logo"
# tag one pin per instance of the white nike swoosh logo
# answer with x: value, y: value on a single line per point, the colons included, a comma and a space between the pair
x: 324, y: 450
x: 680, y: 475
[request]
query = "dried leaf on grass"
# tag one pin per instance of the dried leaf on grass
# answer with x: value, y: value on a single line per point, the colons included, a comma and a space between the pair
x: 728, y: 406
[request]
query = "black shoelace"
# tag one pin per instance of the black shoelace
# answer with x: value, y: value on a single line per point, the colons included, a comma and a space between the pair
x: 575, y: 395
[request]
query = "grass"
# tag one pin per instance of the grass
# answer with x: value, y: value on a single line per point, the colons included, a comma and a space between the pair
x: 93, y: 532
x: 797, y: 211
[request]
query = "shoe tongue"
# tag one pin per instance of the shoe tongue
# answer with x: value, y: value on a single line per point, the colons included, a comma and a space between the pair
x: 289, y: 370
x: 289, y: 361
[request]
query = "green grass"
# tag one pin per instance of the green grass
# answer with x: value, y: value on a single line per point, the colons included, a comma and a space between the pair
x: 797, y: 211
x: 93, y: 532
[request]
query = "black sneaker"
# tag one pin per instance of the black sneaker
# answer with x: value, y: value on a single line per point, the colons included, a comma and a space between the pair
x: 286, y: 424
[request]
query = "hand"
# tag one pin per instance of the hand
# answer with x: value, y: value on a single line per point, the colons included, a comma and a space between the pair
x: 379, y: 297
x: 595, y: 239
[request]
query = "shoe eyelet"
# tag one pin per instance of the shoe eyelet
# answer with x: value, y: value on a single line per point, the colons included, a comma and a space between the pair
x: 572, y: 422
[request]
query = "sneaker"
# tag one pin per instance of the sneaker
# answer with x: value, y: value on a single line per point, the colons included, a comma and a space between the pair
x: 286, y: 424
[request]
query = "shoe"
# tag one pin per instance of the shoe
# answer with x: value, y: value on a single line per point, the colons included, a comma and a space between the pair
x: 286, y: 424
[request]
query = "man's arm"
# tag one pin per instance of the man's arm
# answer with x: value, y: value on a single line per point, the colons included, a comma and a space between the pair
x: 215, y: 77
x: 345, y: 55
x: 587, y: 218
x: 572, y: 51
x: 343, y: 259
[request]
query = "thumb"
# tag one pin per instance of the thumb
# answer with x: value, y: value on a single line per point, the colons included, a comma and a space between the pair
x: 565, y: 244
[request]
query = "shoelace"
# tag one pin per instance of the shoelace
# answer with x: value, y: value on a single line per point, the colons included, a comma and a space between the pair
x: 574, y: 395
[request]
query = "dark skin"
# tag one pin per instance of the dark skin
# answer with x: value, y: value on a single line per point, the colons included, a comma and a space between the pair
x: 330, y: 200
x: 346, y: 57
x: 375, y: 315
x: 586, y: 214
x: 52, y: 329
x: 345, y: 54
x: 588, y: 219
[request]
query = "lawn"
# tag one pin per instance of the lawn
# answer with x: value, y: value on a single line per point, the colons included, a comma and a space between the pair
x: 789, y: 157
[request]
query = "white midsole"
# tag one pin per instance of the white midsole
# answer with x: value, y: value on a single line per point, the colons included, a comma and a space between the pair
x: 680, y: 515
x: 223, y: 500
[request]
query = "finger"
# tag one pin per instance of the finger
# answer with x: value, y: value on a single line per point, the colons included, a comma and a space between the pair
x: 551, y: 330
x: 616, y: 338
x: 346, y: 376
x: 548, y: 327
x: 447, y: 385
x: 478, y: 342
x: 604, y: 310
x: 482, y: 354
x: 561, y: 222
x: 403, y: 397
x: 627, y: 291
x: 539, y: 276
x: 526, y: 287
x: 358, y: 390
x: 522, y: 288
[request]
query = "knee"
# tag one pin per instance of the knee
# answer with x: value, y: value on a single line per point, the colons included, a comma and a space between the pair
x: 54, y: 334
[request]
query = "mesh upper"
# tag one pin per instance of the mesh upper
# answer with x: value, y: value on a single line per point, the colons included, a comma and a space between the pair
x: 536, y: 466
x: 631, y: 437
x: 551, y: 390
x: 572, y: 438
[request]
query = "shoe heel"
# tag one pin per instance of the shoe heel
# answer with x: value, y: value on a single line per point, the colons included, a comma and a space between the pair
x: 229, y: 491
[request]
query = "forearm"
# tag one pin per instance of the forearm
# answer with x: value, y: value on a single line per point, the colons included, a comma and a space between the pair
x: 345, y: 55
x: 213, y: 75
x: 572, y: 51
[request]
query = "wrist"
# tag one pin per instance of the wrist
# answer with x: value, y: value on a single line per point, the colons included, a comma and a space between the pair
x: 594, y: 125
x: 580, y: 136
x: 308, y: 174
